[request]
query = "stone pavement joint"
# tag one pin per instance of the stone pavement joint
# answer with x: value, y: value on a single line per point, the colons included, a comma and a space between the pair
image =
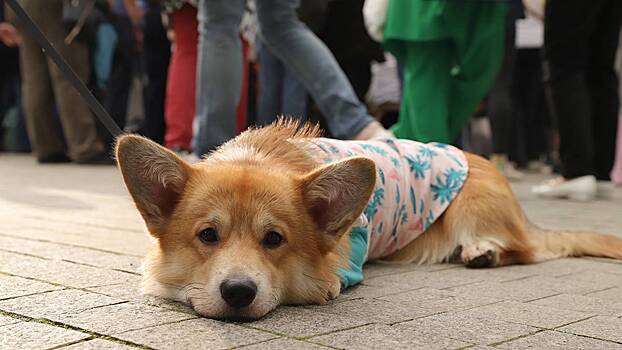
x: 71, y: 242
x: 48, y: 322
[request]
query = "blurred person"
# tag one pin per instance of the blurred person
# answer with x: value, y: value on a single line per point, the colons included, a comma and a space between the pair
x: 580, y: 42
x: 616, y: 173
x: 181, y: 83
x: 280, y: 92
x: 13, y: 136
x: 127, y: 15
x: 156, y: 56
x: 451, y: 52
x: 501, y: 106
x: 345, y: 35
x: 44, y: 85
x: 220, y: 67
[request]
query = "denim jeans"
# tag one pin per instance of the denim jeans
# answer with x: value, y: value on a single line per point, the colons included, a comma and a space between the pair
x: 220, y: 66
x: 280, y: 93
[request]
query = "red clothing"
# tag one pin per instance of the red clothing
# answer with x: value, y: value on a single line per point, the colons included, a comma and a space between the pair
x: 181, y: 85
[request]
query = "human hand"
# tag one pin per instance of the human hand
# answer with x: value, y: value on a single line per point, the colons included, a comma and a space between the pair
x: 9, y: 35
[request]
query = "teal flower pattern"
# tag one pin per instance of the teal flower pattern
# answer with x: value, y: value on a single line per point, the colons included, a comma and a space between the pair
x: 418, y: 166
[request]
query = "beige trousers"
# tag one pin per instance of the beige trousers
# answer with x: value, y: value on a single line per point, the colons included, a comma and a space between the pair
x: 44, y: 86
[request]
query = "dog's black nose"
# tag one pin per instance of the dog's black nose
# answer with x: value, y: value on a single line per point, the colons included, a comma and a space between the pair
x: 238, y: 292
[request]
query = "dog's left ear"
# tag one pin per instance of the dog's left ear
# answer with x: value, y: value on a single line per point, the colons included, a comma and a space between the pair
x: 336, y: 194
x: 154, y: 176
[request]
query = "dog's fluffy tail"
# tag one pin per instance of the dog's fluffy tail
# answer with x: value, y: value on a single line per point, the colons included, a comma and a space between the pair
x: 553, y: 244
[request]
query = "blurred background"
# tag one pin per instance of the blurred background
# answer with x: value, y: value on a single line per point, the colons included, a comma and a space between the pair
x: 532, y: 85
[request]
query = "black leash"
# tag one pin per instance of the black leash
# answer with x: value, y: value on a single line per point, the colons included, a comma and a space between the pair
x: 69, y: 73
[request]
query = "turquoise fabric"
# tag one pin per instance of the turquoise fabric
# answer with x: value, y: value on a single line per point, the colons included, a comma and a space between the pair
x: 106, y: 41
x: 358, y: 250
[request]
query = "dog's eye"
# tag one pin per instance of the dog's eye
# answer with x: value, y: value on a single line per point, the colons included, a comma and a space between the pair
x: 272, y: 240
x: 208, y: 236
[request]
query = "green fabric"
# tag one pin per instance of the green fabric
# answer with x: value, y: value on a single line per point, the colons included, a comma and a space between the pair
x: 358, y: 249
x: 451, y: 51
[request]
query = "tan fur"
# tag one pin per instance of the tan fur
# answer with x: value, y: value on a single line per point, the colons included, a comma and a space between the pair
x: 266, y: 180
x: 487, y: 210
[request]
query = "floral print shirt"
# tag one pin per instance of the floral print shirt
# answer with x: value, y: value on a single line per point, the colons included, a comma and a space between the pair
x: 415, y: 183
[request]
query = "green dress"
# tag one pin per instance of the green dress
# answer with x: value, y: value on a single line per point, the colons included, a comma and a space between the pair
x: 451, y: 51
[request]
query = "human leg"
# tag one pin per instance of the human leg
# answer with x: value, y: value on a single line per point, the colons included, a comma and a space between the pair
x: 424, y: 108
x: 479, y: 43
x: 314, y: 65
x: 180, y: 91
x: 566, y: 54
x: 271, y: 74
x: 602, y: 82
x: 219, y: 73
x: 77, y: 121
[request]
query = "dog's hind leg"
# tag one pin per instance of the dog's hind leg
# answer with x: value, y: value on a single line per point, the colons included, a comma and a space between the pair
x: 487, y: 219
x: 484, y: 225
x: 435, y: 245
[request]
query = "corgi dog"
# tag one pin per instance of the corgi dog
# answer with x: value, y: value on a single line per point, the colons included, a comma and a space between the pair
x: 279, y: 215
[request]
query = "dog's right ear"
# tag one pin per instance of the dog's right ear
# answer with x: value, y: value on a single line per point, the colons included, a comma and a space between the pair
x: 154, y: 176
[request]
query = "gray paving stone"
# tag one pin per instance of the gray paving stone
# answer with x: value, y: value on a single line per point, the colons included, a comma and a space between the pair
x: 561, y: 284
x: 582, y: 303
x: 75, y: 254
x: 599, y: 278
x: 200, y: 333
x: 13, y: 286
x: 61, y: 272
x: 301, y: 322
x: 601, y: 327
x: 376, y: 269
x: 48, y: 305
x: 504, y: 291
x: 418, y: 279
x: 32, y: 335
x: 508, y: 273
x: 611, y: 294
x: 284, y: 343
x: 566, y: 266
x: 370, y: 310
x: 436, y: 301
x: 165, y: 304
x: 363, y: 291
x: 114, y: 319
x: 98, y: 344
x: 125, y: 291
x: 6, y: 320
x: 470, y: 328
x: 552, y: 340
x: 119, y: 241
x: 529, y: 314
x: 377, y: 336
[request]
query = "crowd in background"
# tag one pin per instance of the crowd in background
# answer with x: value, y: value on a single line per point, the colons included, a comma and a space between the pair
x: 530, y: 84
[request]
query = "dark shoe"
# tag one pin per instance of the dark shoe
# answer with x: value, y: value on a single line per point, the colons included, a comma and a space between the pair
x: 99, y: 159
x: 54, y: 158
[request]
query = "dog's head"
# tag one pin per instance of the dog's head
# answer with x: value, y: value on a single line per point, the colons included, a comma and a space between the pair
x: 242, y: 232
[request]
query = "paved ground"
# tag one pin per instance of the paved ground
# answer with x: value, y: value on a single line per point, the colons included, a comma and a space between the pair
x: 70, y: 248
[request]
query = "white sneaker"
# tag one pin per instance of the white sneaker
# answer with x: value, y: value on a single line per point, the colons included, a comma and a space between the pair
x: 581, y: 188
